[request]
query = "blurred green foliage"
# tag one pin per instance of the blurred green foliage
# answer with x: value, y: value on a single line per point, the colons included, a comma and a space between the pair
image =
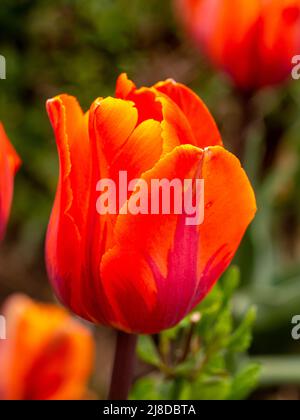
x: 80, y: 47
x: 202, y: 357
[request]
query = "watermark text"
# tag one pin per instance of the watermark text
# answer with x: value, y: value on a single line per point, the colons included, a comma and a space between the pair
x: 296, y: 67
x: 2, y: 328
x: 296, y: 328
x: 2, y: 67
x: 156, y: 197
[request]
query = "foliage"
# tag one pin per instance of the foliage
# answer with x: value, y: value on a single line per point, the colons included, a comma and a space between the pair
x: 202, y: 357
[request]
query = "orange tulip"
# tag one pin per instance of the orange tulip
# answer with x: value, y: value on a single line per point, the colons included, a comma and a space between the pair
x: 141, y: 273
x: 253, y: 41
x: 47, y: 354
x: 9, y: 164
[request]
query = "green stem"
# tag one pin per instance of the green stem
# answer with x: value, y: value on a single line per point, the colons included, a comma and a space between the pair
x: 176, y: 389
x: 246, y: 119
x: 122, y: 375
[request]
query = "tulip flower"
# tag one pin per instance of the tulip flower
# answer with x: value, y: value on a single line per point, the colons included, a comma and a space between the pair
x: 9, y: 164
x: 47, y: 354
x: 253, y: 41
x: 141, y: 273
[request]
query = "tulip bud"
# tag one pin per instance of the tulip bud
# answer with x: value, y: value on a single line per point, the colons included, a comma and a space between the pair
x: 254, y: 41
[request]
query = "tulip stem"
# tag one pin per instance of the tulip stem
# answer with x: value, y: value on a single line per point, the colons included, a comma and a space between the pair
x: 122, y: 375
x: 247, y: 118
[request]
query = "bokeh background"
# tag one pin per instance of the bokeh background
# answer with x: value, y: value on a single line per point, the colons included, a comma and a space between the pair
x: 80, y: 47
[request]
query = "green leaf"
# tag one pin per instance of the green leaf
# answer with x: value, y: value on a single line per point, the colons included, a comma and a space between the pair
x: 222, y: 328
x: 186, y: 391
x: 242, y: 337
x: 230, y: 282
x: 209, y: 372
x: 151, y: 388
x: 147, y: 351
x: 215, y: 364
x: 245, y: 381
x: 211, y: 389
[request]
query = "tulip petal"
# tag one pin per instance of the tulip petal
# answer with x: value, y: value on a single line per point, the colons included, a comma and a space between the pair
x: 185, y: 118
x: 9, y: 164
x: 113, y: 121
x: 116, y: 145
x: 67, y: 224
x: 171, y: 266
x: 146, y: 142
x: 51, y: 343
x: 230, y: 206
x: 70, y: 126
x: 8, y: 150
x: 124, y: 86
x: 176, y: 128
x: 143, y: 98
x: 133, y: 272
x: 203, y: 125
x: 123, y: 145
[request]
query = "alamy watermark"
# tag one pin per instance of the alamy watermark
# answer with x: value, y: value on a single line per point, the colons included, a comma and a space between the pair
x: 2, y: 67
x: 296, y: 67
x: 158, y: 196
x: 296, y: 329
x: 2, y: 328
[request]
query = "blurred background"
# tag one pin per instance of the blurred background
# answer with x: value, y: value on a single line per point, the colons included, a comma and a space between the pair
x: 80, y: 47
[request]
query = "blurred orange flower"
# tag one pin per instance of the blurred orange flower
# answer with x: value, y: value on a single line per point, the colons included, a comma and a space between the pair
x: 47, y: 354
x: 141, y: 273
x: 9, y: 164
x: 253, y: 41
